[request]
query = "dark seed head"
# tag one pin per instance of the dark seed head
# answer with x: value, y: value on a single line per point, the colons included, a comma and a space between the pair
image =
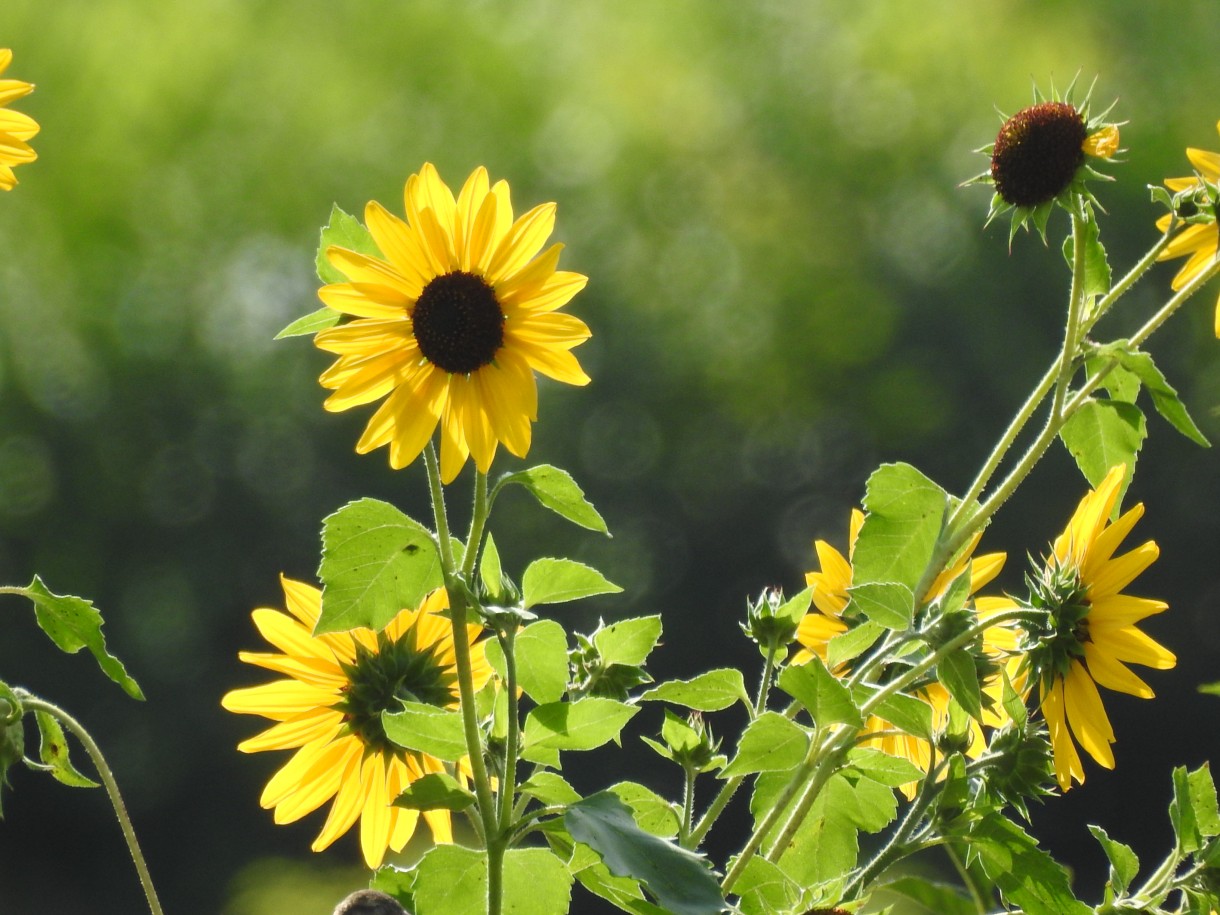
x: 458, y: 323
x: 1037, y: 152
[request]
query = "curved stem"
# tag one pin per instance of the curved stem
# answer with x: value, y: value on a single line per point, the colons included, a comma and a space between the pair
x: 478, y: 521
x: 1071, y: 341
x: 508, y: 788
x: 980, y: 905
x: 112, y: 790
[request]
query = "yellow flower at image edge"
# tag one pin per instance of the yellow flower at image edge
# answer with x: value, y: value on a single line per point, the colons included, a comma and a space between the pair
x: 15, y: 127
x: 451, y: 323
x: 1096, y: 633
x: 329, y: 711
x: 1201, y: 241
x: 830, y: 598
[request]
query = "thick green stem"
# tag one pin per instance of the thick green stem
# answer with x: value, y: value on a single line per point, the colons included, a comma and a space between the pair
x: 508, y: 787
x: 764, y: 685
x: 701, y: 829
x: 688, y: 806
x: 35, y: 704
x: 455, y: 584
x: 478, y: 521
x: 1071, y: 332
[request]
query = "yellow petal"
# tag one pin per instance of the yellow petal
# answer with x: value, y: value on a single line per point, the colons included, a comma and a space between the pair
x: 400, y: 245
x: 1087, y: 715
x: 554, y: 363
x: 1126, y: 643
x: 362, y: 268
x: 524, y: 240
x: 278, y: 700
x: 308, y: 670
x: 349, y: 799
x: 375, y: 816
x: 1121, y: 571
x: 1113, y: 674
x: 1190, y: 239
x: 320, y: 724
x: 367, y: 300
x: 1206, y: 162
x: 1067, y: 761
x: 306, y: 765
x: 560, y: 330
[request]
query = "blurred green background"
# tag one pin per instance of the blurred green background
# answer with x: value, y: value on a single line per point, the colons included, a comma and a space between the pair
x: 787, y: 287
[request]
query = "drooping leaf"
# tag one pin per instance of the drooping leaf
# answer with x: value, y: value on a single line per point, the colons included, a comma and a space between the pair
x: 376, y: 562
x: 74, y: 623
x: 556, y: 581
x: 770, y: 743
x: 54, y: 753
x: 1164, y: 396
x: 435, y: 791
x: 428, y: 729
x: 680, y: 880
x: 1193, y: 810
x: 1026, y: 876
x: 1102, y: 434
x: 957, y: 673
x: 847, y: 646
x: 452, y: 880
x: 542, y: 661
x: 826, y: 699
x: 628, y: 641
x: 581, y: 725
x: 311, y: 323
x: 652, y: 813
x: 555, y: 489
x: 882, y: 767
x: 904, y: 513
x: 708, y: 692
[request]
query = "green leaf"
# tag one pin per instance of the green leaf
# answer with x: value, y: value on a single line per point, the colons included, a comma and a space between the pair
x: 74, y: 623
x: 1119, y: 383
x: 849, y: 645
x: 888, y: 603
x: 770, y: 743
x: 398, y: 882
x: 825, y: 845
x: 435, y: 791
x: 1203, y: 800
x: 652, y: 813
x: 1124, y: 865
x: 54, y: 753
x: 628, y: 641
x: 764, y: 889
x: 882, y: 767
x: 1096, y: 278
x: 1026, y: 876
x: 905, y: 511
x: 555, y: 489
x: 452, y: 880
x: 957, y: 673
x: 824, y: 697
x: 344, y: 231
x: 929, y: 898
x: 1164, y: 397
x: 376, y: 562
x: 708, y: 692
x: 555, y: 581
x: 428, y: 729
x: 581, y: 725
x: 490, y: 571
x: 593, y: 874
x: 904, y: 712
x: 678, y: 879
x: 1102, y: 434
x: 311, y: 323
x: 542, y: 661
x: 550, y: 788
x: 1193, y: 810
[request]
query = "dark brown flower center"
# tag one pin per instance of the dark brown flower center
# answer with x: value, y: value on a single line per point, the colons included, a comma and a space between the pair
x: 1037, y: 152
x: 458, y: 323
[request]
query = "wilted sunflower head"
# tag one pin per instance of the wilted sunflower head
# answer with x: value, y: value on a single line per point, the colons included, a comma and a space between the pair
x: 1042, y: 156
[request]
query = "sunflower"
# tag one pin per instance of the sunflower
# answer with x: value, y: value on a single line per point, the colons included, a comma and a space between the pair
x: 1042, y: 155
x: 830, y: 598
x: 1090, y: 634
x: 329, y: 711
x: 1201, y: 240
x: 451, y: 323
x: 15, y: 127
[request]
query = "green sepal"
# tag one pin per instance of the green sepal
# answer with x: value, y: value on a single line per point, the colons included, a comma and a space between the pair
x: 435, y: 791
x: 73, y: 623
x: 12, y: 738
x: 957, y: 673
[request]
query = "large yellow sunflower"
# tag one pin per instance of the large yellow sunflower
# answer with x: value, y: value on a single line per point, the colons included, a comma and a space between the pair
x: 825, y: 621
x: 1092, y: 633
x: 15, y: 127
x: 451, y: 323
x: 1200, y: 241
x: 329, y: 711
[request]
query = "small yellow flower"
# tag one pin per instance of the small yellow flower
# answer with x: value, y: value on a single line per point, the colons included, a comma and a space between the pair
x: 1094, y: 633
x: 830, y: 598
x: 451, y: 323
x: 329, y: 711
x: 1202, y: 240
x: 15, y: 127
x: 1103, y: 144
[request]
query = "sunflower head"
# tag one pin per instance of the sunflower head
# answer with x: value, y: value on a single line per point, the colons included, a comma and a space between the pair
x: 15, y: 128
x: 1042, y: 156
x: 446, y: 319
x: 327, y: 708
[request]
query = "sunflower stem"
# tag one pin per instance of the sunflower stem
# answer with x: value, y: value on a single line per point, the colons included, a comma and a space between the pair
x: 35, y: 704
x: 455, y: 585
x: 508, y: 787
x: 688, y: 806
x: 764, y: 685
x: 898, y: 846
